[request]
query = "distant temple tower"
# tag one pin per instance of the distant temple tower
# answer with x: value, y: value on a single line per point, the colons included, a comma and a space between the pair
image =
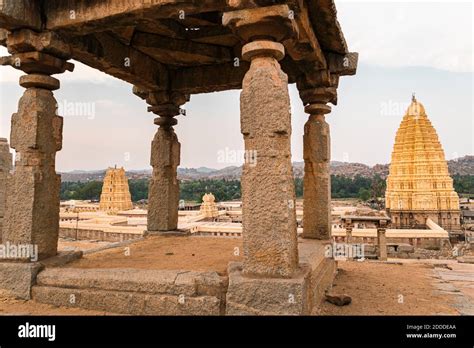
x: 115, y: 192
x: 419, y: 185
x: 5, y: 167
x: 209, y: 207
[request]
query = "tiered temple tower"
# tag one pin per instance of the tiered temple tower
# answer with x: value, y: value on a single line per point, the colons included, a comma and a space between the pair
x: 419, y: 185
x: 5, y: 167
x: 209, y: 206
x: 115, y: 192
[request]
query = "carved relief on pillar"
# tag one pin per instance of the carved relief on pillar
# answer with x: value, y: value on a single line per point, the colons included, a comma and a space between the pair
x: 268, y: 196
x: 32, y: 214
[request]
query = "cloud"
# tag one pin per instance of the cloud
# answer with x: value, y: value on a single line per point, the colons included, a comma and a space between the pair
x: 402, y: 33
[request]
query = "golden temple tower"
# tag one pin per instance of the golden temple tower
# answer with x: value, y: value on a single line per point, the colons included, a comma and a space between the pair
x: 419, y: 185
x: 115, y: 192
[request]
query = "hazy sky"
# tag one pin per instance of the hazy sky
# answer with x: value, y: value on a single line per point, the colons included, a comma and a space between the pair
x: 423, y: 47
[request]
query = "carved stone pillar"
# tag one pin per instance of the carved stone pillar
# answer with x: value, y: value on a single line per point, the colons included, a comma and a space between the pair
x: 382, y: 241
x: 5, y: 168
x: 32, y: 214
x: 317, y: 157
x: 163, y: 195
x: 268, y: 195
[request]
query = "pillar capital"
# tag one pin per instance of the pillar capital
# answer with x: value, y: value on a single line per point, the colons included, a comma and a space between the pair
x: 165, y: 104
x: 316, y: 99
x: 42, y: 53
x: 263, y: 48
x: 274, y: 23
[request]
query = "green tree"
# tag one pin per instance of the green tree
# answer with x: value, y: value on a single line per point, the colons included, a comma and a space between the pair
x: 364, y: 194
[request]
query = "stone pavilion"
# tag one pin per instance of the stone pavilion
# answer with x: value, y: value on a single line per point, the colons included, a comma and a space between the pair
x: 169, y: 50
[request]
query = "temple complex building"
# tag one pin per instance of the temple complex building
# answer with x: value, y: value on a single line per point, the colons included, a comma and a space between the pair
x: 419, y: 186
x: 115, y: 195
x: 209, y: 207
x: 5, y: 167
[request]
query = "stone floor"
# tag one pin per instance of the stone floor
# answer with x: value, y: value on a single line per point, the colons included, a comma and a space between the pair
x: 457, y: 282
x: 404, y: 287
x: 168, y: 253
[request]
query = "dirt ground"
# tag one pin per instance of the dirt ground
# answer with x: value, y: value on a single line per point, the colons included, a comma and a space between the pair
x: 67, y: 245
x: 400, y: 287
x: 388, y: 289
x: 158, y: 252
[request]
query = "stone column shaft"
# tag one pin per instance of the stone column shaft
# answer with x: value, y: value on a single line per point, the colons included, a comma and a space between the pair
x: 163, y: 190
x: 163, y: 196
x: 317, y: 179
x: 317, y: 157
x: 268, y: 195
x: 382, y: 243
x: 32, y: 214
x: 5, y: 167
x: 33, y: 193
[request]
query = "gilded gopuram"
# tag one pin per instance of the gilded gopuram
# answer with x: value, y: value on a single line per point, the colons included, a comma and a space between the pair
x: 419, y: 185
x: 115, y: 195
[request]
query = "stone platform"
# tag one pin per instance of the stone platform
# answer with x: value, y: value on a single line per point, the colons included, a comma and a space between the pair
x: 131, y: 291
x: 136, y: 291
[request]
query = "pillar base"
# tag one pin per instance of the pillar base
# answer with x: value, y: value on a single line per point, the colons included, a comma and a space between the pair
x: 267, y: 296
x: 17, y: 278
x: 301, y: 294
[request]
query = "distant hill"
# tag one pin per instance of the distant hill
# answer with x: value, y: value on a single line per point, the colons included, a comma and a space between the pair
x: 461, y: 166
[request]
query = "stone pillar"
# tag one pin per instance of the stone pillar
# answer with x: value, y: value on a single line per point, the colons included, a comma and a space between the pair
x: 5, y: 168
x: 382, y: 241
x: 32, y: 214
x: 163, y: 195
x: 317, y: 157
x: 268, y: 195
x: 348, y: 226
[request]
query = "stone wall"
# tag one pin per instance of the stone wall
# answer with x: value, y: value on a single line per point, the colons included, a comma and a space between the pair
x: 424, y: 243
x: 89, y: 234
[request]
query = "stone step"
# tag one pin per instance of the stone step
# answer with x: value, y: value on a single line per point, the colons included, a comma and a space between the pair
x: 126, y: 302
x: 133, y: 291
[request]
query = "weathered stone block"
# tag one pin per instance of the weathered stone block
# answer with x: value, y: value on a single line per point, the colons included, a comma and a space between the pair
x: 171, y: 282
x: 16, y: 278
x: 123, y: 302
x: 268, y: 296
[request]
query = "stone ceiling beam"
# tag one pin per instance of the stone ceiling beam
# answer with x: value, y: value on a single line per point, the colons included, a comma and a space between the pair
x: 343, y: 64
x: 169, y: 51
x: 87, y: 16
x: 306, y: 46
x: 208, y: 78
x: 107, y: 54
x: 15, y: 14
